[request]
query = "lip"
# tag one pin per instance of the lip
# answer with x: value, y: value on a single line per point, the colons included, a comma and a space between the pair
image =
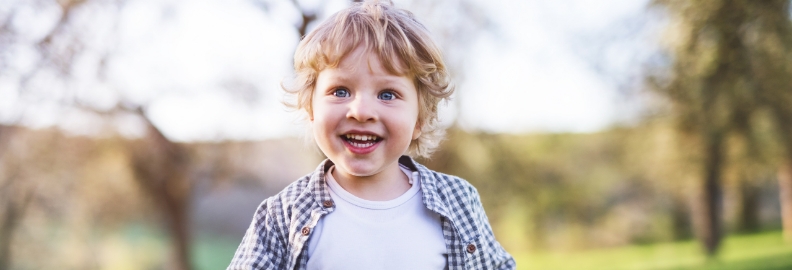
x: 361, y: 150
x: 360, y: 132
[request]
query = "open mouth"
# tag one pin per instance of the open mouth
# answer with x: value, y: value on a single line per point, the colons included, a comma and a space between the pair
x: 361, y: 141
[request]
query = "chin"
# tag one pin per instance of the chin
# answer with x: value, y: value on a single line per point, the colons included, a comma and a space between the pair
x: 359, y: 168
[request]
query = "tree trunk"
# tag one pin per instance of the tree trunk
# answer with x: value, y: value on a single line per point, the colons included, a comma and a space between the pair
x: 9, y: 195
x: 680, y: 219
x: 161, y: 168
x: 785, y: 172
x: 178, y: 227
x: 709, y: 209
x: 785, y: 189
x: 748, y: 218
x: 14, y: 210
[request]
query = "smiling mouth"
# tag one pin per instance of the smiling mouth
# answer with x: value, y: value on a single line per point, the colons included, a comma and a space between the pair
x: 361, y: 141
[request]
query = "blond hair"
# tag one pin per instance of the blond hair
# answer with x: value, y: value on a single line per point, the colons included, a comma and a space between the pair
x: 393, y: 35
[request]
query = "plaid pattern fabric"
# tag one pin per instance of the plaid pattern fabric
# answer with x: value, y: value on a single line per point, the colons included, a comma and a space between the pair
x: 278, y: 235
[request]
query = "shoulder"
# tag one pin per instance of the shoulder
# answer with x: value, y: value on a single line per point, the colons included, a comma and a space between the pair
x: 456, y: 199
x: 456, y: 182
x: 300, y: 196
x: 295, y: 195
x: 266, y: 243
x: 451, y: 186
x: 453, y: 193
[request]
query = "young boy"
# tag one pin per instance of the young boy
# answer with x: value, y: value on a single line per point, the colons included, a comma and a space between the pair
x: 370, y: 79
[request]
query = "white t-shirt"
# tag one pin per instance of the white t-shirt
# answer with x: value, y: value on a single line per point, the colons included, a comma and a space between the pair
x: 362, y: 234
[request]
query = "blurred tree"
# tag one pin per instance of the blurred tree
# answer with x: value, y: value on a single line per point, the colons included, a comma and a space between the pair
x: 569, y: 191
x: 23, y: 168
x: 16, y: 192
x: 726, y: 68
x: 14, y: 196
x: 309, y: 12
x: 160, y: 165
x: 76, y: 185
x: 771, y: 40
x: 162, y: 169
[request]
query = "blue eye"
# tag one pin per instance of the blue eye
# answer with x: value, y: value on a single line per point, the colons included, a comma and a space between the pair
x: 341, y: 92
x: 387, y: 95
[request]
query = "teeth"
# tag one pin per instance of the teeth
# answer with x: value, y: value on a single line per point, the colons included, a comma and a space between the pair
x: 358, y: 137
x: 361, y: 145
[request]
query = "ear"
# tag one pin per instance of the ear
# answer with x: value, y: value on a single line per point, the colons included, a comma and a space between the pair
x: 416, y: 131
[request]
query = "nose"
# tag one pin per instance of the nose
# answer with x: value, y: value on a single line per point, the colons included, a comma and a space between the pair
x: 362, y: 109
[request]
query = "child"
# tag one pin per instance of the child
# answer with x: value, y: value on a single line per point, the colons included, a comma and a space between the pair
x: 370, y: 79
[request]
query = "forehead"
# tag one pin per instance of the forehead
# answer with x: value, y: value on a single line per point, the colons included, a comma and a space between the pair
x: 347, y: 54
x: 362, y: 57
x: 363, y: 66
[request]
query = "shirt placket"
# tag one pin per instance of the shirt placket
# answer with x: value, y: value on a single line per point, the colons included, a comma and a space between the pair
x: 306, y: 230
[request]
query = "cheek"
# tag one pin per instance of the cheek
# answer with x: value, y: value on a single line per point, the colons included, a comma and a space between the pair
x: 325, y: 118
x: 310, y: 107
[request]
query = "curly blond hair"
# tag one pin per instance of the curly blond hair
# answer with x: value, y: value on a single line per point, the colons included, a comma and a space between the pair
x: 393, y: 35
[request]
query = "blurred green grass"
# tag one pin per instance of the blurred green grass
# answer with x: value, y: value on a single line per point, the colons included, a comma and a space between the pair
x: 145, y: 247
x: 752, y: 251
x: 212, y: 252
x: 761, y: 251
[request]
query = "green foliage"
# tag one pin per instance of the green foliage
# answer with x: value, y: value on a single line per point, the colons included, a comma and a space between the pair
x: 729, y: 72
x: 570, y: 191
x: 625, y: 185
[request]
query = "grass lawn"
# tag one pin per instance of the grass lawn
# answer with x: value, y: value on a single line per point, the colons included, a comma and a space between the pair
x: 755, y: 251
x: 144, y: 247
x: 212, y: 253
x: 762, y: 251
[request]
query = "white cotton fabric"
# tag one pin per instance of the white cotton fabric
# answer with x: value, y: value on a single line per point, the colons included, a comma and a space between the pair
x: 361, y: 234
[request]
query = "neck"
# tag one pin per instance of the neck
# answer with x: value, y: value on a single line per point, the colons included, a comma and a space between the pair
x: 382, y: 186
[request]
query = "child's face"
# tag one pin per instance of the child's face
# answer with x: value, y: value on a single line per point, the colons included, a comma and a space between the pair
x: 364, y: 118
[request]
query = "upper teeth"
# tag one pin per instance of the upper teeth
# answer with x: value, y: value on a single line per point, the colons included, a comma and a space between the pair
x: 361, y: 137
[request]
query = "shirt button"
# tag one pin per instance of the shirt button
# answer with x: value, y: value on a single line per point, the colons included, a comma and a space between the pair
x: 327, y: 203
x: 306, y: 230
x: 471, y: 248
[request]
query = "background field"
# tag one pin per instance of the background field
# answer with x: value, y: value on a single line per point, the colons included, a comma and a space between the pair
x: 610, y: 134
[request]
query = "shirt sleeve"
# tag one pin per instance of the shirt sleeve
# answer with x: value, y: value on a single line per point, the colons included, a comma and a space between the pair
x: 262, y: 246
x: 501, y: 259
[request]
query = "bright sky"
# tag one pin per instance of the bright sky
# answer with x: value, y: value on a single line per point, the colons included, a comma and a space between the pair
x: 180, y: 57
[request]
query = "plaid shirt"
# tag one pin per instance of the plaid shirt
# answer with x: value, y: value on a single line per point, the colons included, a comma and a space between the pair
x: 278, y: 235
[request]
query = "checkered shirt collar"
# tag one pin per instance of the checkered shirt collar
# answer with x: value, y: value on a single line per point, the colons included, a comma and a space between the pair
x: 434, y: 194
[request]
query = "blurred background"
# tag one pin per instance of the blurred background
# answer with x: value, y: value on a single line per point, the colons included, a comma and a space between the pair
x: 613, y: 134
